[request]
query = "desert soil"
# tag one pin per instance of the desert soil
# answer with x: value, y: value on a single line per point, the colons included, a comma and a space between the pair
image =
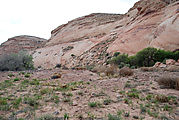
x: 81, y: 94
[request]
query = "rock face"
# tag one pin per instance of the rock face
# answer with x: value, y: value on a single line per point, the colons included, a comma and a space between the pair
x: 92, y: 39
x: 19, y: 43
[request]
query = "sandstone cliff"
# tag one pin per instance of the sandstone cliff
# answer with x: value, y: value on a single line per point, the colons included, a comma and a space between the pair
x: 19, y: 43
x: 92, y: 39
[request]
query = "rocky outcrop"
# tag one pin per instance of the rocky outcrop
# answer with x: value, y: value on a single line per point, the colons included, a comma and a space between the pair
x: 92, y: 26
x: 92, y: 39
x: 19, y: 43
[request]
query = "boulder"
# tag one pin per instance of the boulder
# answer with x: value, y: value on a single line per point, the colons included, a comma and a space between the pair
x: 157, y: 64
x: 162, y: 65
x: 170, y: 62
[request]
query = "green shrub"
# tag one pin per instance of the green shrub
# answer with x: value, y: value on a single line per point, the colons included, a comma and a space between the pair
x: 116, y: 54
x: 146, y: 57
x: 16, y: 62
x: 16, y: 79
x: 27, y: 75
x: 120, y: 59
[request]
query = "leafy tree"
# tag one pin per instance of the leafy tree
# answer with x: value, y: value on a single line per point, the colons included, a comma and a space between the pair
x: 146, y: 57
x: 120, y: 59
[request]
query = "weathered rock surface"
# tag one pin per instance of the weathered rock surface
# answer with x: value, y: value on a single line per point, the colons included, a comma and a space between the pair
x: 92, y: 39
x: 19, y: 43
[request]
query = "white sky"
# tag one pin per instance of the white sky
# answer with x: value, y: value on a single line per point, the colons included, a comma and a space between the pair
x: 40, y: 17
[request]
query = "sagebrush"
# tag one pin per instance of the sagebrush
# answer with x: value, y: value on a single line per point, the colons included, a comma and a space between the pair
x: 169, y: 82
x: 16, y: 62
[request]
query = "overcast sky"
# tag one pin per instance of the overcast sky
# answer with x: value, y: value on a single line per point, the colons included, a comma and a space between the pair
x: 40, y: 17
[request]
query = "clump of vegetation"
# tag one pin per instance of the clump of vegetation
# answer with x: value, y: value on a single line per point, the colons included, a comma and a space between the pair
x: 55, y: 99
x: 34, y: 82
x: 99, y: 69
x: 94, y: 104
x: 16, y: 62
x: 107, y: 101
x: 109, y: 71
x: 126, y: 72
x: 133, y: 93
x: 31, y: 101
x: 66, y: 99
x: 162, y: 98
x: 16, y: 79
x: 66, y: 116
x: 120, y: 60
x: 6, y: 84
x: 11, y: 75
x: 4, y: 106
x: 146, y: 57
x: 27, y: 75
x: 113, y: 117
x: 45, y: 91
x: 169, y: 82
x: 16, y: 103
x: 46, y: 117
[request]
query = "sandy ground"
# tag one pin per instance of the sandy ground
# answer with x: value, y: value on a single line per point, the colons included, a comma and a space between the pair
x: 86, y: 95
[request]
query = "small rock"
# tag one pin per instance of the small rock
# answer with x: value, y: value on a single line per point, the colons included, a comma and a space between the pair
x: 75, y: 103
x: 56, y: 113
x: 162, y: 65
x: 170, y: 62
x: 119, y: 96
x: 157, y: 64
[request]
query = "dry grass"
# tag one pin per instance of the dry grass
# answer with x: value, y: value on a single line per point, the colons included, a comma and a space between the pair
x: 107, y: 70
x: 99, y: 69
x: 169, y: 82
x: 125, y: 71
x: 111, y: 70
x: 162, y: 98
